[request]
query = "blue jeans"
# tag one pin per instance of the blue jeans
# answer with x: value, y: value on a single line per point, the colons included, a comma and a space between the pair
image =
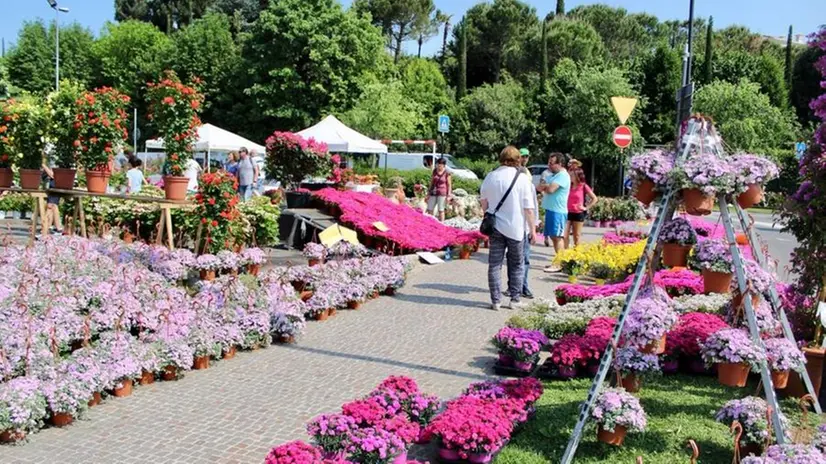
x: 526, y: 253
x: 245, y: 191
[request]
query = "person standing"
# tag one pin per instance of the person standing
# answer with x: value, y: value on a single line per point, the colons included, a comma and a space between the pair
x: 231, y: 166
x: 580, y: 199
x: 440, y: 189
x: 556, y: 187
x: 134, y: 177
x: 529, y: 226
x: 247, y: 174
x: 506, y: 194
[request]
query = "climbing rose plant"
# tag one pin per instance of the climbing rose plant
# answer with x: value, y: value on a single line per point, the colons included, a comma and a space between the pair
x: 100, y: 121
x: 173, y: 110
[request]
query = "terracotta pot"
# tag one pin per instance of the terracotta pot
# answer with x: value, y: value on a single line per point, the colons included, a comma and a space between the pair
x: 322, y: 316
x: 814, y: 366
x: 780, y: 379
x: 230, y: 353
x: 64, y: 179
x: 6, y: 179
x: 61, y: 419
x: 645, y: 192
x: 752, y: 196
x: 253, y: 269
x: 147, y: 378
x: 741, y: 239
x: 612, y: 438
x: 655, y: 347
x: 464, y: 254
x: 566, y: 372
x: 354, y: 304
x: 174, y: 187
x: 201, y: 363
x: 96, y: 399
x: 170, y: 373
x: 10, y: 436
x: 332, y: 312
x: 631, y: 383
x: 697, y: 203
x: 675, y: 255
x: 505, y: 360
x: 209, y: 276
x: 30, y: 179
x: 128, y: 237
x: 737, y: 300
x: 523, y: 365
x: 733, y: 375
x: 716, y: 282
x: 125, y: 388
x: 97, y: 181
x: 306, y: 295
x: 313, y: 262
x: 747, y: 449
x: 390, y: 291
x: 286, y: 339
x: 448, y: 454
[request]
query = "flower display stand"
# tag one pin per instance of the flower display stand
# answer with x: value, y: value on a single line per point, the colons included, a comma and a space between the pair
x: 698, y: 131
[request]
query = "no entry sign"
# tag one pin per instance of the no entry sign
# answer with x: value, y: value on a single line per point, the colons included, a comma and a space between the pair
x: 623, y: 136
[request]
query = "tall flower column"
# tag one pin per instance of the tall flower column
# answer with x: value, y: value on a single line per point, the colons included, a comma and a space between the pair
x: 100, y: 121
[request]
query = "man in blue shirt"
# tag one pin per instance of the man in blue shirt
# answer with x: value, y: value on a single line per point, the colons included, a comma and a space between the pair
x: 555, y: 185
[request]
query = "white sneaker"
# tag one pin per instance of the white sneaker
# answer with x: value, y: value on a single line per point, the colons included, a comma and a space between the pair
x: 514, y: 304
x: 495, y: 306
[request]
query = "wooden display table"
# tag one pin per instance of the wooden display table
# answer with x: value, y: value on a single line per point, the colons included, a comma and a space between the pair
x: 39, y: 210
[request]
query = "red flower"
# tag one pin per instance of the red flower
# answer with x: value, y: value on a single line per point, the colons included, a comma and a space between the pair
x: 169, y: 101
x: 203, y: 220
x: 76, y: 143
x: 212, y: 201
x: 195, y: 104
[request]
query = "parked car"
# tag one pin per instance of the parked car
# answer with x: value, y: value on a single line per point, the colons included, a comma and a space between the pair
x: 536, y: 171
x: 411, y: 161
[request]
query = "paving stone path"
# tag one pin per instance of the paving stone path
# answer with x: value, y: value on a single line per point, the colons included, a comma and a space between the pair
x: 436, y: 330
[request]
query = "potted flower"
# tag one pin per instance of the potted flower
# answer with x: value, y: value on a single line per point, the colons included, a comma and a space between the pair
x: 291, y: 158
x: 649, y: 172
x: 119, y: 362
x: 685, y: 338
x: 647, y: 323
x: 208, y: 265
x: 734, y: 353
x: 330, y: 433
x: 230, y: 262
x: 315, y: 253
x: 677, y: 237
x: 292, y: 453
x: 21, y: 395
x: 29, y: 140
x: 787, y: 454
x: 519, y: 347
x: 600, y: 272
x: 202, y: 340
x: 470, y: 429
x: 701, y: 178
x: 783, y: 356
x: 100, y: 121
x: 633, y: 365
x: 760, y: 280
x: 616, y: 412
x: 173, y: 110
x: 176, y: 356
x: 63, y: 129
x: 752, y: 414
x: 751, y: 173
x: 252, y: 259
x: 66, y: 394
x: 376, y: 445
x: 566, y: 355
x: 8, y: 119
x: 713, y: 258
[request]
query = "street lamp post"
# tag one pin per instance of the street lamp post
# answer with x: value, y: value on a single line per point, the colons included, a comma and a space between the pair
x: 57, y: 11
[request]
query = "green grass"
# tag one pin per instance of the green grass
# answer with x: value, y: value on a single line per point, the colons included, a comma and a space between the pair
x: 679, y: 408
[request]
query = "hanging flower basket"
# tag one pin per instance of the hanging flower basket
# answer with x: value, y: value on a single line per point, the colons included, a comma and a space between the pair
x: 752, y: 196
x: 697, y: 203
x: 733, y: 375
x: 716, y: 282
x: 645, y: 192
x: 675, y: 255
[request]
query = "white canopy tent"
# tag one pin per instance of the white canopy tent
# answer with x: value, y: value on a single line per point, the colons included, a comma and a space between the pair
x: 212, y: 138
x: 341, y: 139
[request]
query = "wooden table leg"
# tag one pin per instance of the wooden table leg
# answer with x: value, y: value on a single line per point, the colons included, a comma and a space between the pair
x: 198, y: 238
x: 35, y: 214
x: 161, y: 225
x: 81, y: 218
x: 75, y: 219
x: 169, y: 234
x: 41, y: 207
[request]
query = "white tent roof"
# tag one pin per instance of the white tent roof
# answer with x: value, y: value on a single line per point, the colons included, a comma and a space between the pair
x: 212, y: 138
x: 341, y: 139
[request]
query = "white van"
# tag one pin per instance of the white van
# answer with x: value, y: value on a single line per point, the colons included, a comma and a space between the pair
x: 411, y: 161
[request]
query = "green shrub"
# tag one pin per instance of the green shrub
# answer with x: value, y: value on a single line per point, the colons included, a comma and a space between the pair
x: 16, y: 202
x: 263, y: 218
x: 479, y: 167
x: 416, y: 176
x: 616, y: 209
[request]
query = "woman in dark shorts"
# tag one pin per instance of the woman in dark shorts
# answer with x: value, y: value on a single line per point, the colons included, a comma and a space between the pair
x: 580, y: 199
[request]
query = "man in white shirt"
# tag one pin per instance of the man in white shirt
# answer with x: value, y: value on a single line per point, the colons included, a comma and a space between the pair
x: 516, y: 211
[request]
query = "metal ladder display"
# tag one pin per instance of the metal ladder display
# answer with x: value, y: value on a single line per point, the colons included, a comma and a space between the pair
x: 700, y: 135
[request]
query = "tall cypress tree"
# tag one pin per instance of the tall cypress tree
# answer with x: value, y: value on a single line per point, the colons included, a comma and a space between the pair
x: 789, y: 62
x: 462, y: 87
x: 560, y: 7
x: 544, y: 78
x: 707, y: 68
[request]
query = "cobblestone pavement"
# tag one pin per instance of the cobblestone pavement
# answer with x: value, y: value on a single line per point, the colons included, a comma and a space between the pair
x: 436, y: 329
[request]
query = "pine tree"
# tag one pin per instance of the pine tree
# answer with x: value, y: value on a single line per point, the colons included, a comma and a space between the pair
x: 789, y: 61
x: 707, y: 65
x: 462, y: 87
x: 560, y: 7
x: 544, y: 81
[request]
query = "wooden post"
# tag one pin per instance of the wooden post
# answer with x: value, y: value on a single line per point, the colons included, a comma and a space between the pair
x: 41, y: 207
x: 168, y: 217
x: 81, y: 217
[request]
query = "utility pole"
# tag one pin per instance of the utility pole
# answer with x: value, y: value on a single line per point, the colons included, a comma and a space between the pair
x: 686, y: 92
x: 57, y: 10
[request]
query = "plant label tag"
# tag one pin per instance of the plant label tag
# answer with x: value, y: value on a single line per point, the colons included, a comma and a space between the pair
x: 380, y: 226
x: 429, y: 257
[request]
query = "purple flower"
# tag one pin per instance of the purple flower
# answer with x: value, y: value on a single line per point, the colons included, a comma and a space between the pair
x: 712, y: 255
x: 732, y: 346
x: 615, y: 406
x: 752, y: 169
x: 632, y: 361
x: 784, y: 355
x: 679, y: 231
x: 788, y: 454
x: 751, y: 412
x: 648, y: 321
x: 652, y: 165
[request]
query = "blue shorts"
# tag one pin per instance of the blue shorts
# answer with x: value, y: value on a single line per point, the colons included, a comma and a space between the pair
x: 555, y: 224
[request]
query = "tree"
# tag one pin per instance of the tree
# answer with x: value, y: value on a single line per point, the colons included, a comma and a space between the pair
x: 384, y: 111
x: 745, y: 116
x: 444, y: 19
x: 661, y: 78
x: 577, y: 40
x: 130, y: 54
x: 490, y: 117
x: 400, y: 20
x: 131, y: 9
x: 624, y: 36
x: 424, y: 84
x: 771, y: 80
x: 31, y: 62
x: 462, y: 86
x: 806, y: 83
x: 425, y: 31
x: 543, y: 83
x: 707, y: 69
x: 305, y: 58
x: 206, y: 50
x: 167, y: 15
x: 560, y: 7
x: 789, y: 62
x: 248, y: 9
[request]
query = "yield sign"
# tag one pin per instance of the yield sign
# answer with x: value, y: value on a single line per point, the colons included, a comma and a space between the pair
x: 623, y: 137
x: 624, y: 107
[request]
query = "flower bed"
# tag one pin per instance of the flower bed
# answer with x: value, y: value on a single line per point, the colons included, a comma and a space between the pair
x: 675, y: 282
x: 408, y: 230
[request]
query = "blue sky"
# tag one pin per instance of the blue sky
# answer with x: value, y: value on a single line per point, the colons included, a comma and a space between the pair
x: 762, y: 16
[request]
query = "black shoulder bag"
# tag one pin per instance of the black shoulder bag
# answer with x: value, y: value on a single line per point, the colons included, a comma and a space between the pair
x: 489, y: 221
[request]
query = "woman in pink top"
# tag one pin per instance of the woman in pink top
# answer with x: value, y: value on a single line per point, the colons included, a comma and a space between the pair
x: 580, y: 199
